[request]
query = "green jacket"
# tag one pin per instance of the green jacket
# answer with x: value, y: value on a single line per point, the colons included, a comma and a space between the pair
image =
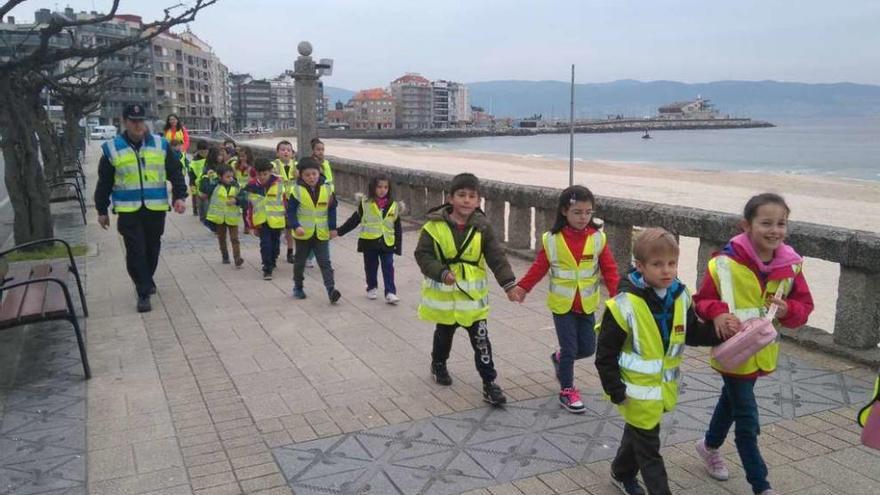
x: 493, y: 252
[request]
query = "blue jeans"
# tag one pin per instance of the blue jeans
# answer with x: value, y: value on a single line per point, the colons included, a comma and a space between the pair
x: 270, y: 245
x: 737, y: 405
x: 577, y: 340
x: 372, y: 259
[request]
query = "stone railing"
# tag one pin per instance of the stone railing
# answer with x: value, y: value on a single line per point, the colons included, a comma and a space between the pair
x: 521, y: 211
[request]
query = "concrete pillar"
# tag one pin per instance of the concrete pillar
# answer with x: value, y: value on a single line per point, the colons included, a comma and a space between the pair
x: 496, y: 214
x: 415, y: 200
x: 519, y: 235
x: 857, y: 320
x: 704, y: 254
x: 620, y: 241
x: 306, y: 77
x: 544, y: 220
x: 435, y: 197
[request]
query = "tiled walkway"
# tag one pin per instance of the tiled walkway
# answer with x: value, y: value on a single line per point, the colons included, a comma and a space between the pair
x: 230, y: 386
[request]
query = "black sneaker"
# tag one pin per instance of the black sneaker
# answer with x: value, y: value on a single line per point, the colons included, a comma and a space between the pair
x: 628, y: 486
x: 493, y: 394
x: 267, y: 274
x: 143, y: 304
x: 554, y: 358
x: 152, y: 290
x: 226, y: 260
x: 334, y: 295
x: 290, y: 257
x: 441, y: 374
x: 239, y: 262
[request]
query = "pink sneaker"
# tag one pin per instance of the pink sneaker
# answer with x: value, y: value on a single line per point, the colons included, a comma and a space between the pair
x: 713, y: 461
x: 570, y: 399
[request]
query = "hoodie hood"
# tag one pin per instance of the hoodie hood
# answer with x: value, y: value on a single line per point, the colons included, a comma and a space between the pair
x: 741, y: 249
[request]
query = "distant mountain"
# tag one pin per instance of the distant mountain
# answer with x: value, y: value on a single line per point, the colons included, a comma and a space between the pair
x: 757, y: 99
x: 337, y: 94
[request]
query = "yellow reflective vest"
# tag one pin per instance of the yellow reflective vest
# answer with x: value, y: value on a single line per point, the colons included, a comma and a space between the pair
x: 313, y: 217
x: 568, y: 278
x: 287, y: 172
x: 740, y: 289
x: 875, y: 402
x: 467, y: 300
x: 139, y: 178
x: 221, y: 213
x: 374, y: 225
x: 327, y: 172
x: 269, y: 208
x: 650, y: 373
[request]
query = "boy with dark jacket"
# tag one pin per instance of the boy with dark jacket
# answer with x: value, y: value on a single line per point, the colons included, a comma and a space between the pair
x: 641, y: 344
x: 455, y: 245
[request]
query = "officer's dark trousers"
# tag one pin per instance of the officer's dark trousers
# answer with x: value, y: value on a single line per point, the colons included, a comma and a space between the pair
x: 142, y: 233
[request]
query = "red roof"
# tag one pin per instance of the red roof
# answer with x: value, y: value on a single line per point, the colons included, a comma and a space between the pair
x: 371, y: 94
x: 411, y: 78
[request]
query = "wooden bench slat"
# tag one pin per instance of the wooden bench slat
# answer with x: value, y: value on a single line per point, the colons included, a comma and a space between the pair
x: 55, y: 302
x: 36, y: 294
x: 11, y: 308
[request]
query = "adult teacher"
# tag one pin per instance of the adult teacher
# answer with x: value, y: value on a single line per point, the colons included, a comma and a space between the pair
x: 133, y: 170
x: 174, y: 130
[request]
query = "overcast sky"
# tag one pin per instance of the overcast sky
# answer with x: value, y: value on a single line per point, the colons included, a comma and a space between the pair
x: 373, y: 42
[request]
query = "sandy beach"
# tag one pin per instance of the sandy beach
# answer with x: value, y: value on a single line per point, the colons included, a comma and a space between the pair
x: 843, y: 203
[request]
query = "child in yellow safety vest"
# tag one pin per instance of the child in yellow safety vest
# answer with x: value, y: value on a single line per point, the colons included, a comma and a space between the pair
x: 266, y: 213
x: 378, y: 214
x: 455, y: 245
x: 641, y: 344
x: 740, y: 284
x: 576, y: 254
x: 213, y: 160
x: 194, y: 172
x: 311, y: 214
x: 221, y: 194
x: 285, y: 167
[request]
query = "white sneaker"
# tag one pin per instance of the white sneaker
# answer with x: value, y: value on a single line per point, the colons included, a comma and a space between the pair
x: 310, y: 263
x: 391, y: 298
x: 371, y: 294
x: 713, y: 461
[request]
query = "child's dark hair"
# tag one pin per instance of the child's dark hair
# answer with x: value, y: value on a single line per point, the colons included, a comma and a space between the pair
x: 228, y: 141
x: 202, y: 145
x: 263, y: 165
x: 308, y: 162
x: 213, y: 158
x: 568, y: 197
x: 247, y: 153
x: 282, y: 143
x: 315, y: 141
x: 755, y: 202
x: 224, y: 168
x: 374, y: 183
x: 464, y: 181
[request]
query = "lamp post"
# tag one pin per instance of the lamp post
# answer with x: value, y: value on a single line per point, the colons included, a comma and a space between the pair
x: 306, y: 73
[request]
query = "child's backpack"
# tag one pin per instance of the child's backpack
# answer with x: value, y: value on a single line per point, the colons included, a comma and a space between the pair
x: 869, y: 419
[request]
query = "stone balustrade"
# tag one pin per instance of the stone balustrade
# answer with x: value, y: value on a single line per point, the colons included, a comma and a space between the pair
x: 520, y: 211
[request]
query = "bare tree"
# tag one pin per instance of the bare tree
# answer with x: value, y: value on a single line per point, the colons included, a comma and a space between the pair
x: 22, y: 78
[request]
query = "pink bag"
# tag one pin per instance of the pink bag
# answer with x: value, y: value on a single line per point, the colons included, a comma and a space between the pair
x: 756, y: 334
x: 871, y: 430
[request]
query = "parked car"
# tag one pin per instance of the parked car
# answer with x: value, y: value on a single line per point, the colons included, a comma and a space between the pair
x: 103, y: 132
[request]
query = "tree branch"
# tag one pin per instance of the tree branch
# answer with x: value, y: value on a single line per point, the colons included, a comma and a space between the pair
x: 8, y: 6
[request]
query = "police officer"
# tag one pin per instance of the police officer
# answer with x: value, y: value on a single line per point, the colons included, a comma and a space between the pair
x: 133, y: 170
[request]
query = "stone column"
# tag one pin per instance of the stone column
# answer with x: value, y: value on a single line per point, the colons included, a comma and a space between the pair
x: 519, y: 233
x: 415, y: 200
x: 306, y: 77
x: 704, y: 254
x: 496, y: 215
x: 620, y: 240
x: 544, y: 220
x: 857, y: 319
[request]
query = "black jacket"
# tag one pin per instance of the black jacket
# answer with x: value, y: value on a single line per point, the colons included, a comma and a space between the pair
x: 107, y: 176
x: 612, y: 337
x: 374, y: 244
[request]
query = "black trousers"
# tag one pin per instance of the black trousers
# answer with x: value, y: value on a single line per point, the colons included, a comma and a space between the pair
x: 640, y: 451
x: 142, y: 232
x: 479, y: 335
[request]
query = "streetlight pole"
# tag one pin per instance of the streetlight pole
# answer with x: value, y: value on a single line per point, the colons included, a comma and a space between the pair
x: 571, y: 134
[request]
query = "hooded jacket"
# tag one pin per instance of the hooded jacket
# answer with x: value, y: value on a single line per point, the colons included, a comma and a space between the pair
x: 496, y: 259
x: 612, y: 337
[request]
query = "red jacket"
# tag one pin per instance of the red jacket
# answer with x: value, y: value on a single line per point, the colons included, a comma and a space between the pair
x: 575, y: 240
x: 709, y: 305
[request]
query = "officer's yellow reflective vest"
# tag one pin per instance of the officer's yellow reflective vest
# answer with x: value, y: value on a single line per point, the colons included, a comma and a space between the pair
x: 740, y: 289
x: 374, y: 225
x: 467, y: 300
x: 568, y: 278
x: 651, y: 375
x: 313, y: 217
x: 139, y: 178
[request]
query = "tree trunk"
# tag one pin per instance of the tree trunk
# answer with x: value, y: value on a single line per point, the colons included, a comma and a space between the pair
x: 25, y: 183
x: 50, y: 145
x: 73, y: 113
